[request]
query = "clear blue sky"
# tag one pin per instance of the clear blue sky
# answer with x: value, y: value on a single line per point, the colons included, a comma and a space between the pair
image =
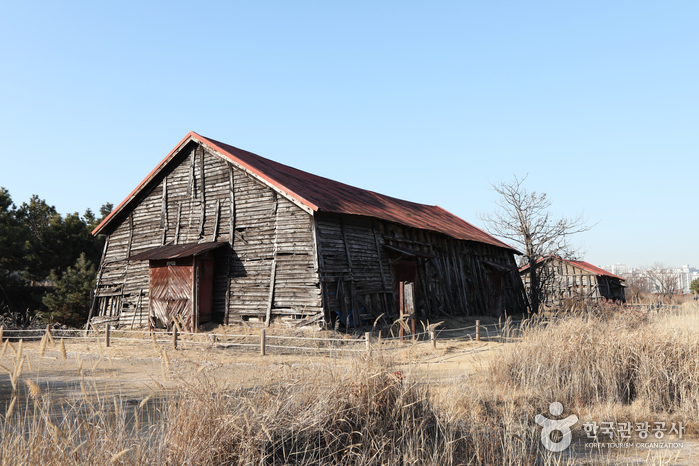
x: 426, y: 101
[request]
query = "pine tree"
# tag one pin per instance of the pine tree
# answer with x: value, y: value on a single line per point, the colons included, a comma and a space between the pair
x: 69, y: 302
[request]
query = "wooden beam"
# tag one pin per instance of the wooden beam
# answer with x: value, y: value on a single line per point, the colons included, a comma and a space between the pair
x: 202, y: 188
x: 270, y: 298
x: 163, y: 206
x: 177, y: 227
x: 191, y: 173
x: 216, y: 220
x: 378, y: 254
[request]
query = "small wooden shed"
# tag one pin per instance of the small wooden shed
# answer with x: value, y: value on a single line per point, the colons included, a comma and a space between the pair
x: 266, y: 240
x: 570, y: 280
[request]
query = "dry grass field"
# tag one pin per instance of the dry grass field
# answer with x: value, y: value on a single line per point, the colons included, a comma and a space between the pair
x: 465, y: 402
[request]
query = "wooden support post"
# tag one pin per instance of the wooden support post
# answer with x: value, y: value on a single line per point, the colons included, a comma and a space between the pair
x: 263, y: 342
x: 478, y: 330
x: 174, y: 337
x: 270, y: 297
x: 433, y: 339
x: 106, y: 335
x: 367, y: 339
x: 401, y: 303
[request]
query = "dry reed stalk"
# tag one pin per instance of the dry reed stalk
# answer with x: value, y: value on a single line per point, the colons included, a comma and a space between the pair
x: 64, y: 355
x: 58, y: 432
x: 155, y: 343
x: 80, y: 366
x: 42, y: 346
x: 96, y: 364
x: 144, y: 401
x: 29, y: 363
x: 2, y: 330
x: 19, y: 349
x: 48, y: 333
x: 17, y: 372
x: 11, y: 408
x: 166, y: 359
x: 4, y: 348
x: 34, y: 389
x: 116, y: 457
x: 75, y: 450
x: 136, y: 420
x: 5, y: 369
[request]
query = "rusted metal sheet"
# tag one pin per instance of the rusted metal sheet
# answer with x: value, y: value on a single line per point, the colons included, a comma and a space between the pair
x: 171, y: 291
x: 175, y: 251
x: 159, y: 289
x: 316, y: 193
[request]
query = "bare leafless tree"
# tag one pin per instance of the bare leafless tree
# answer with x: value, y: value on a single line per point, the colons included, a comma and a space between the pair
x: 663, y: 279
x: 637, y: 285
x: 523, y: 218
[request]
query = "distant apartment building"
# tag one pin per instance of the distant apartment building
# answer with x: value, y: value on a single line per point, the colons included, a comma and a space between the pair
x: 685, y: 276
x: 618, y: 269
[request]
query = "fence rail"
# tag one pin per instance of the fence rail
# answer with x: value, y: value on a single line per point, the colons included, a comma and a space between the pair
x: 354, y: 344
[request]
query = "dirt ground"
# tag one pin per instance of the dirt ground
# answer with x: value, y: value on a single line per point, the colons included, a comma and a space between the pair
x: 134, y: 370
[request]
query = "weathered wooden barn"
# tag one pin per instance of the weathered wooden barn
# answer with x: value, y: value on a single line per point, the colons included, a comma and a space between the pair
x: 218, y: 233
x: 568, y: 280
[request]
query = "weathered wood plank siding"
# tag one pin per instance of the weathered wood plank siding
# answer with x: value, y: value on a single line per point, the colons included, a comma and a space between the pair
x: 196, y: 187
x: 455, y: 282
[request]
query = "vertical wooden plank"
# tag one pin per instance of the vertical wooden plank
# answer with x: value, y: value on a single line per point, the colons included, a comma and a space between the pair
x: 177, y: 227
x: 401, y: 303
x: 216, y: 220
x: 97, y: 285
x: 231, y: 238
x: 163, y: 205
x: 231, y: 205
x: 378, y: 254
x: 355, y: 304
x: 202, y: 189
x: 318, y: 249
x: 344, y: 238
x: 270, y: 298
x: 191, y: 174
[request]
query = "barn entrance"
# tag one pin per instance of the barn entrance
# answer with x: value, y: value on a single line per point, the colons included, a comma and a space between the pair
x: 405, y: 263
x: 180, y: 284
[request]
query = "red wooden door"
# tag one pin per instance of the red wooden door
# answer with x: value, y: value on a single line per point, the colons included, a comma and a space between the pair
x: 171, y: 292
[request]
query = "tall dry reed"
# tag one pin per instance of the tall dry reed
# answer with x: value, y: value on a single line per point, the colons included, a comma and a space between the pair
x: 620, y: 357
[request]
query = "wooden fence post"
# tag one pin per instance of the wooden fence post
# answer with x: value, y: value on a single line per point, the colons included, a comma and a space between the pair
x: 433, y: 339
x: 478, y: 330
x: 174, y: 337
x: 106, y: 335
x: 367, y: 339
x: 263, y: 342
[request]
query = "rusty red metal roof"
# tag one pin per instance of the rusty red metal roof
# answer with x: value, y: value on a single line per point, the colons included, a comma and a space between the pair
x: 582, y: 264
x: 320, y: 194
x: 175, y: 251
